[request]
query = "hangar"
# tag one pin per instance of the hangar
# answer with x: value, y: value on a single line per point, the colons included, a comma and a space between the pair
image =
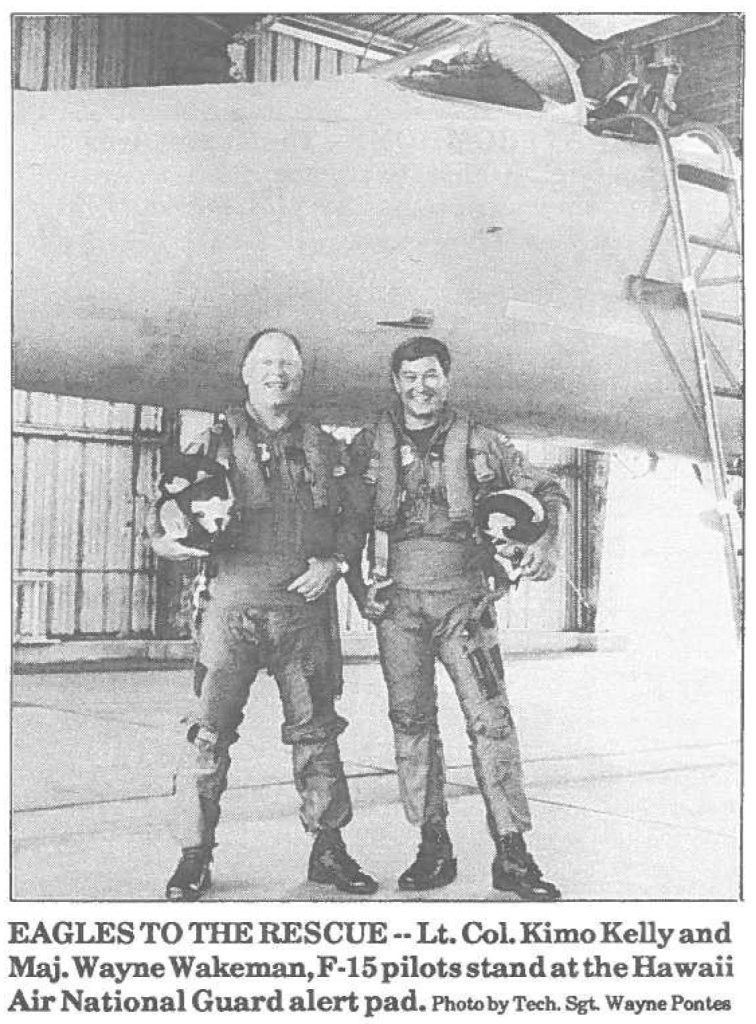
x: 87, y: 587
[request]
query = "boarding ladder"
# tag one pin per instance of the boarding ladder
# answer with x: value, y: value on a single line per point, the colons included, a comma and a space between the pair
x: 704, y: 396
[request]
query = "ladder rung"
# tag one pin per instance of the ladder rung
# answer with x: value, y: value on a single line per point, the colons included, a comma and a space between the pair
x: 660, y: 293
x: 718, y: 282
x: 723, y: 318
x: 671, y: 296
x: 705, y: 178
x: 715, y: 243
x: 736, y: 393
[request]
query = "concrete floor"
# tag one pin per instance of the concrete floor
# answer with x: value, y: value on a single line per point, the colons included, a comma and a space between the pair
x: 631, y: 758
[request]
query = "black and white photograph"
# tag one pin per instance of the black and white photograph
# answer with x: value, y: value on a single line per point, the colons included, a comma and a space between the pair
x: 378, y: 458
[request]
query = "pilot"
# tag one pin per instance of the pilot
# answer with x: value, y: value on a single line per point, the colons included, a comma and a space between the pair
x: 416, y: 476
x: 271, y: 606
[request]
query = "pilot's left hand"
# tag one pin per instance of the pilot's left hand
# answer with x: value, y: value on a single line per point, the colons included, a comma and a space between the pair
x: 540, y: 559
x: 313, y: 583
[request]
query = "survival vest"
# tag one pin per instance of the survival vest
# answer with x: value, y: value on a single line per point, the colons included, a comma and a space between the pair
x: 413, y: 493
x: 235, y: 442
x: 400, y: 477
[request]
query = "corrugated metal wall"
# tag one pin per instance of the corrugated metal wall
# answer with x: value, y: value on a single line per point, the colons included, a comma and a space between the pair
x: 99, y: 51
x: 87, y: 51
x: 84, y: 475
x: 276, y: 57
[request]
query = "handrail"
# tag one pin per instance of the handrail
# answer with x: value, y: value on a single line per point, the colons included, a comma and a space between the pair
x: 722, y: 147
x: 695, y: 319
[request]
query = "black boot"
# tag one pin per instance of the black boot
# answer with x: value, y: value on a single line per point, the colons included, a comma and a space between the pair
x: 330, y: 864
x: 435, y: 864
x: 191, y: 877
x: 514, y: 870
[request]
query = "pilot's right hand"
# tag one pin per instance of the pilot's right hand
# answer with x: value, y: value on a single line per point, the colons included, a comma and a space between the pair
x: 376, y: 604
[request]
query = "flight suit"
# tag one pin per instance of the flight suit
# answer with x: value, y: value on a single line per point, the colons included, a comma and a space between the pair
x: 423, y: 503
x: 288, y: 488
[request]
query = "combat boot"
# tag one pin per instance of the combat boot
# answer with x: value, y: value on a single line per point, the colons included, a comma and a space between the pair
x: 191, y: 877
x: 435, y: 864
x: 330, y: 864
x: 514, y: 870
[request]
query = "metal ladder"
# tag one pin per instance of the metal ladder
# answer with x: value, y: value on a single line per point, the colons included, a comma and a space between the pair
x: 649, y: 292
